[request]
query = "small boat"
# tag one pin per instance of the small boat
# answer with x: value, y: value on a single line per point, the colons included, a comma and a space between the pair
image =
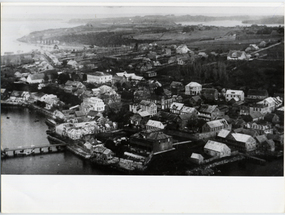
x: 50, y: 122
x: 8, y: 117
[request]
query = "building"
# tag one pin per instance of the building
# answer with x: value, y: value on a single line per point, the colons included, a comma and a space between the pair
x: 209, y: 112
x: 92, y: 103
x: 271, y: 103
x: 144, y: 105
x: 210, y: 94
x: 193, y: 88
x: 176, y: 107
x: 238, y: 95
x: 183, y: 49
x: 237, y: 55
x: 154, y: 125
x: 215, y: 126
x: 99, y: 78
x: 36, y: 78
x: 257, y: 94
x: 151, y: 141
x: 150, y: 74
x: 197, y: 158
x: 217, y: 149
x: 237, y: 141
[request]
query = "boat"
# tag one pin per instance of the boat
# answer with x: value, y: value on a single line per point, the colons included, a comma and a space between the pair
x: 8, y: 117
x: 50, y: 122
x: 78, y: 151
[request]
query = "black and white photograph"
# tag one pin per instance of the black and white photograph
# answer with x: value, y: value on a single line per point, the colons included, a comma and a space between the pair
x: 142, y: 90
x: 142, y: 108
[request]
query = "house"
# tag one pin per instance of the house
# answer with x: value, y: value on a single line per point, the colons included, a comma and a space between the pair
x: 150, y: 74
x: 210, y: 94
x: 234, y: 94
x: 163, y: 102
x: 72, y: 64
x: 142, y: 93
x: 176, y: 107
x: 151, y: 141
x: 237, y: 55
x: 215, y: 126
x: 189, y: 111
x: 272, y: 118
x: 217, y: 149
x: 197, y: 158
x: 36, y: 78
x: 255, y: 94
x: 240, y: 142
x: 248, y: 131
x: 193, y: 88
x: 154, y: 125
x: 144, y: 105
x: 139, y: 119
x: 209, y: 112
x: 261, y: 128
x: 176, y: 86
x: 271, y: 103
x: 183, y: 49
x: 195, y: 101
x: 99, y: 78
x: 125, y: 77
x: 92, y: 103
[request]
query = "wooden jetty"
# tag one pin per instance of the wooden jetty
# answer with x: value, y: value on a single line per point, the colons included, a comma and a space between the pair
x: 32, y: 150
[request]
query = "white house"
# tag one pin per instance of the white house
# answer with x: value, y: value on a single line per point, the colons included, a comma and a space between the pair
x: 92, y: 103
x: 217, y: 149
x: 36, y: 78
x: 99, y: 78
x: 270, y: 104
x: 183, y: 49
x: 238, y: 95
x: 193, y: 88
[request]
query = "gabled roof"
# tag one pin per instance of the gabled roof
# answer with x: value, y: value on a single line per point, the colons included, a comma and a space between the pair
x: 37, y: 76
x: 261, y: 138
x: 176, y: 106
x: 215, y: 146
x: 223, y: 133
x: 146, y: 103
x: 208, y: 108
x: 193, y: 84
x: 154, y: 123
x: 186, y: 109
x: 235, y: 92
x: 241, y: 137
x: 196, y: 156
x: 217, y: 123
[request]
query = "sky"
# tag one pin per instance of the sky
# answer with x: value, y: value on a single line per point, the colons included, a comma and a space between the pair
x: 89, y: 11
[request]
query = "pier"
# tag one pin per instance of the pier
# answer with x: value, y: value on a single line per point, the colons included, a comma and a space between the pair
x: 32, y: 150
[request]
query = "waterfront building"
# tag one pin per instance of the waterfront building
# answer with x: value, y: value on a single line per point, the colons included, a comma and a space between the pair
x: 217, y: 149
x: 152, y: 141
x: 197, y: 158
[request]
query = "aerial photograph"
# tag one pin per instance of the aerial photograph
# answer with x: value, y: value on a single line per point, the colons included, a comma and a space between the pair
x: 142, y: 90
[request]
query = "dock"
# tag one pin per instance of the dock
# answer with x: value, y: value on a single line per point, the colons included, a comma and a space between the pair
x: 32, y: 150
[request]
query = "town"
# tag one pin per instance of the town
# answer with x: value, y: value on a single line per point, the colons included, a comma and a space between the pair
x: 156, y: 105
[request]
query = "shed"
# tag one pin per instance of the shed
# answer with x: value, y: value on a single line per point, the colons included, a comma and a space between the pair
x: 196, y: 158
